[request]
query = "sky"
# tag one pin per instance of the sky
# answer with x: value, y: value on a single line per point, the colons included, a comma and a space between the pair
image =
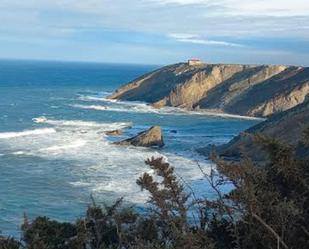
x: 156, y: 31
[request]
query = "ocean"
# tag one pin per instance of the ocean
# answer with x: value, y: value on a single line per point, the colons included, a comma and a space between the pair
x: 54, y: 153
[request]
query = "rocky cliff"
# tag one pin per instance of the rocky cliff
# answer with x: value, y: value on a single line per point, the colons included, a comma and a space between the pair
x: 252, y: 90
x: 287, y: 127
x: 152, y: 137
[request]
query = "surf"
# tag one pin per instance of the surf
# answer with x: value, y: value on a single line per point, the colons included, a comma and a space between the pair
x: 142, y: 107
x: 36, y: 132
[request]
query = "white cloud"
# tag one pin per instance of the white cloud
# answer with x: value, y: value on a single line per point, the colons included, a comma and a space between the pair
x: 195, y: 39
x: 180, y: 36
x: 207, y: 18
x: 181, y: 2
x: 212, y: 23
x: 248, y: 7
x: 269, y: 7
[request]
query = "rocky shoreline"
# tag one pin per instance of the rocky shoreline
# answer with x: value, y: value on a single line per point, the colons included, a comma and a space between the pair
x: 246, y: 90
x: 277, y: 95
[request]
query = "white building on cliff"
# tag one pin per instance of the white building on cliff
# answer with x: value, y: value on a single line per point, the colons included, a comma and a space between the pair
x: 195, y: 62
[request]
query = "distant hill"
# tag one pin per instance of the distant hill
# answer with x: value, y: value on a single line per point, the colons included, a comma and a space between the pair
x: 251, y: 90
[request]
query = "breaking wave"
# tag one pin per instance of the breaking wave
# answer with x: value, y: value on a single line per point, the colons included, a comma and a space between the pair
x: 136, y: 108
x: 36, y: 132
x: 141, y: 107
x: 91, y: 107
x: 100, y: 166
x: 94, y: 98
x: 80, y: 123
x: 75, y: 144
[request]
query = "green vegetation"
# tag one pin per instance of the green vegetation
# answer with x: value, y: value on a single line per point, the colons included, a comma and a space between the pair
x: 267, y: 209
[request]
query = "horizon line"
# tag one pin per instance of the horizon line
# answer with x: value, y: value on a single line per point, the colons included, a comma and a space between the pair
x: 77, y: 61
x: 137, y: 64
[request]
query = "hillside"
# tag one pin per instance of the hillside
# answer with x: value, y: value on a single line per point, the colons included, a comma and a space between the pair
x: 287, y: 127
x: 252, y: 90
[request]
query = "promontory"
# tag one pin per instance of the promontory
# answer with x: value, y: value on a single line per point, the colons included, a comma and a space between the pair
x: 250, y: 90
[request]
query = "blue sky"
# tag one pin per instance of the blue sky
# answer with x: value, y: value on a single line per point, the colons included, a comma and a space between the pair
x: 156, y: 31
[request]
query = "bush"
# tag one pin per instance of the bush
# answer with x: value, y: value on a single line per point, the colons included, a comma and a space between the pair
x: 9, y: 243
x: 272, y: 200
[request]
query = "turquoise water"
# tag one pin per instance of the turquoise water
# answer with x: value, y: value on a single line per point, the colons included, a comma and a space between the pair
x: 53, y: 150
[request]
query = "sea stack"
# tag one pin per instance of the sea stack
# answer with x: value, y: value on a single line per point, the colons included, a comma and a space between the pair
x: 150, y: 138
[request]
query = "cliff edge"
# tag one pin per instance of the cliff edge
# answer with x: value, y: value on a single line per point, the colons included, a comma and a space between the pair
x: 287, y: 127
x: 250, y: 90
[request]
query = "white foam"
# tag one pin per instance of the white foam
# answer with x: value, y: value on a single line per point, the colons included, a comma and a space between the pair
x: 36, y: 132
x: 80, y: 123
x: 91, y: 107
x: 41, y: 119
x: 141, y: 107
x: 132, y: 107
x: 95, y: 98
x: 19, y: 153
x: 96, y: 165
x: 80, y: 184
x: 75, y: 144
x: 222, y: 115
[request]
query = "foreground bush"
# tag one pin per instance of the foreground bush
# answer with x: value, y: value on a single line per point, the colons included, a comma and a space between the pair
x: 267, y: 209
x: 272, y: 201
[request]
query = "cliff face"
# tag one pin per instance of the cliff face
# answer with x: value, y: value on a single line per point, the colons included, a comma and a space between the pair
x: 253, y: 90
x: 287, y: 127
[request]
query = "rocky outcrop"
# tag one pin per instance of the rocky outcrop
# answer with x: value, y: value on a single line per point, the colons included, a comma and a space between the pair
x: 148, y: 138
x: 287, y: 127
x: 114, y: 133
x: 252, y: 90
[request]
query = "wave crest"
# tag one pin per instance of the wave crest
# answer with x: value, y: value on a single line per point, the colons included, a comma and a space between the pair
x: 75, y: 144
x: 43, y: 131
x: 91, y: 107
x: 80, y: 123
x: 141, y: 107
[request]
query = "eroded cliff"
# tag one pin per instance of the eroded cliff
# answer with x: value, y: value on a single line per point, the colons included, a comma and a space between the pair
x: 287, y: 127
x: 252, y: 90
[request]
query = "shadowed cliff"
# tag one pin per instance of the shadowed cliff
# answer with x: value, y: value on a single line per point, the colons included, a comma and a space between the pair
x: 287, y: 127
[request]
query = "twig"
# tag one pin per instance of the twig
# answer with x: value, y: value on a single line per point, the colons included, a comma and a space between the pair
x: 258, y: 218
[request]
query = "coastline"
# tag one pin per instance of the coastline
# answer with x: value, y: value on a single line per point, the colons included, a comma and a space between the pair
x: 217, y: 113
x: 169, y: 109
x: 79, y: 153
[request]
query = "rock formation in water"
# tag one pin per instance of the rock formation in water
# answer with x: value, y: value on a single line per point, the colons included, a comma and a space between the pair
x: 149, y: 138
x: 252, y: 90
x: 114, y: 133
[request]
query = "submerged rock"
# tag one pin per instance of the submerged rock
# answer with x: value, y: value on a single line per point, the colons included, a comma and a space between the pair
x: 148, y: 138
x: 114, y: 133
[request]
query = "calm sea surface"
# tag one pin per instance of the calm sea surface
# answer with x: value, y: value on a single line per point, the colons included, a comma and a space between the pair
x: 53, y: 150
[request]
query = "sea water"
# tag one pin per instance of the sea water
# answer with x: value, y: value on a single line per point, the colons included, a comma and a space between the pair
x: 54, y: 153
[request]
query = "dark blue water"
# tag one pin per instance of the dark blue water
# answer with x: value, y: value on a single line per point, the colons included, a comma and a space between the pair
x: 53, y: 149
